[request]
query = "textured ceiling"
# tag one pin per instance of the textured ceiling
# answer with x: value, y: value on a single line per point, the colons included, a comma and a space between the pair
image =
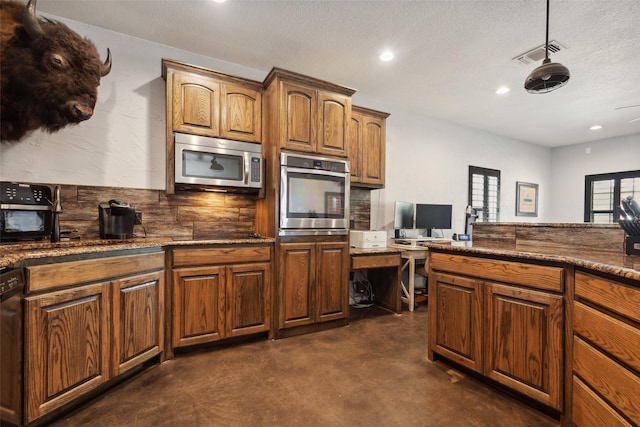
x: 450, y: 56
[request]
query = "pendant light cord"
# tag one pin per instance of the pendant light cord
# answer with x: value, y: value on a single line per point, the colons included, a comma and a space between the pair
x: 546, y: 46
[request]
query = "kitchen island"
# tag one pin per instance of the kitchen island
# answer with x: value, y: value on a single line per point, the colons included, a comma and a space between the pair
x: 555, y: 321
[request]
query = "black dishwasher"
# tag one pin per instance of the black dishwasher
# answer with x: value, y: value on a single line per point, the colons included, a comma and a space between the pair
x: 11, y: 345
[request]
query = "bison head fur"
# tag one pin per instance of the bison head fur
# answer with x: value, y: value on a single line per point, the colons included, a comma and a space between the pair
x: 49, y: 74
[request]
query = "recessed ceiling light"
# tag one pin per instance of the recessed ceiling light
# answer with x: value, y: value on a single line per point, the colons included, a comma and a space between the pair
x: 219, y: 1
x: 386, y: 56
x: 595, y: 127
x: 502, y: 90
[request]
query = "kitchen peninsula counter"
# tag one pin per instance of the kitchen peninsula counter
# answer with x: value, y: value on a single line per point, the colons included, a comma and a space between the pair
x: 568, y: 291
x: 621, y: 265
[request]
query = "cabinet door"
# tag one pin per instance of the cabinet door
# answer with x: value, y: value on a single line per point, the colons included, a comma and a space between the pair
x: 137, y: 325
x: 455, y: 314
x: 198, y: 305
x: 195, y: 102
x: 248, y: 299
x: 524, y: 342
x: 354, y: 147
x: 298, y: 123
x: 373, y: 151
x: 11, y: 332
x: 67, y: 346
x: 241, y: 113
x: 334, y: 119
x: 297, y: 266
x: 332, y: 283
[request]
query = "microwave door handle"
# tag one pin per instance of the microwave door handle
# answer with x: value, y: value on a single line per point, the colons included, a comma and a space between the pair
x: 247, y: 167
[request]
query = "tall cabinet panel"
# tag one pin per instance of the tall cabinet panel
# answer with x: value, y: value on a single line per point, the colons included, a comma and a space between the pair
x: 367, y: 147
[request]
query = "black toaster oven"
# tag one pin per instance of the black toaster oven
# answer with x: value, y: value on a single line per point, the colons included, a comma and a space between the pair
x: 26, y: 212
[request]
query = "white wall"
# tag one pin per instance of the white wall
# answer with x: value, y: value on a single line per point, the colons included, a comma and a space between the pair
x: 427, y: 160
x: 571, y: 163
x: 123, y: 144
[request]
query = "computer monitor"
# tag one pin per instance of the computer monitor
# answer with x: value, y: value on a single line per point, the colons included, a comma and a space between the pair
x: 433, y: 216
x: 403, y: 215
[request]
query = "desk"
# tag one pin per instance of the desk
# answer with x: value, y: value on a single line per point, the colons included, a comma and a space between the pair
x: 383, y: 267
x: 410, y: 254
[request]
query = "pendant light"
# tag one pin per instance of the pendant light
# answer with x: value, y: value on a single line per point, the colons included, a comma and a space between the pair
x: 550, y: 75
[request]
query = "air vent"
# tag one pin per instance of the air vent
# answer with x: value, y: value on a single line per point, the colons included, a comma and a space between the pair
x: 537, y: 54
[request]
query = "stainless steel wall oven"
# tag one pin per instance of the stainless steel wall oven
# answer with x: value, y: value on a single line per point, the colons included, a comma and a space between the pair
x: 314, y: 195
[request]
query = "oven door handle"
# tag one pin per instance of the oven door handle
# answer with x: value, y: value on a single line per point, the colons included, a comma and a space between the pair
x: 315, y: 172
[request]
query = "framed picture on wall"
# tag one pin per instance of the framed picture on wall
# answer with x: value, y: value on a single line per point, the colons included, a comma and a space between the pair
x: 526, y: 199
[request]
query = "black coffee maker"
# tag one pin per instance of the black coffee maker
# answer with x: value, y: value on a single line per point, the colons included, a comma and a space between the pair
x: 116, y: 220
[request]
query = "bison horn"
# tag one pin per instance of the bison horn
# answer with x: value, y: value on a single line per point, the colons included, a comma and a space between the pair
x: 31, y: 22
x: 106, y: 67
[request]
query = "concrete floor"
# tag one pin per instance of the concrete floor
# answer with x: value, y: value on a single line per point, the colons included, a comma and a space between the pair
x: 373, y: 372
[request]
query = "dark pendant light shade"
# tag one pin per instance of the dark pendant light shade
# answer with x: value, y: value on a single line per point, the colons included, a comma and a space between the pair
x: 550, y: 75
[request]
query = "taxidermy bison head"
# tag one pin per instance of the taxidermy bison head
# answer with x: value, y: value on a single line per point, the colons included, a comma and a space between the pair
x: 49, y: 75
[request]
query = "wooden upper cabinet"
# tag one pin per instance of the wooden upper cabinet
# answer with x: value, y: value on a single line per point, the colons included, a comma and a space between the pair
x: 334, y: 112
x: 298, y: 121
x: 208, y: 103
x: 241, y: 113
x: 195, y: 101
x: 307, y: 114
x: 366, y: 147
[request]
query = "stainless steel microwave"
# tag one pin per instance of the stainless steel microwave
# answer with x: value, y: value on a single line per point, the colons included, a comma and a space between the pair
x: 214, y: 162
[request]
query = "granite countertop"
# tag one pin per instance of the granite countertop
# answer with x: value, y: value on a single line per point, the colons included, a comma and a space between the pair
x: 14, y: 253
x: 374, y: 251
x: 622, y: 265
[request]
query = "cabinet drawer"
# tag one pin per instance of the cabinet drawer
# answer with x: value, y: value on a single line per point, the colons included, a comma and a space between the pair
x: 590, y: 410
x: 609, y: 294
x: 613, y: 382
x: 223, y: 255
x: 535, y: 276
x: 619, y: 339
x: 375, y: 261
x: 51, y: 276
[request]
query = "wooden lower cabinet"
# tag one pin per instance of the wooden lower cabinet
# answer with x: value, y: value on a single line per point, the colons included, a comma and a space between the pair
x: 524, y: 341
x: 457, y: 311
x: 312, y: 283
x: 213, y: 302
x: 79, y: 337
x: 507, y: 332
